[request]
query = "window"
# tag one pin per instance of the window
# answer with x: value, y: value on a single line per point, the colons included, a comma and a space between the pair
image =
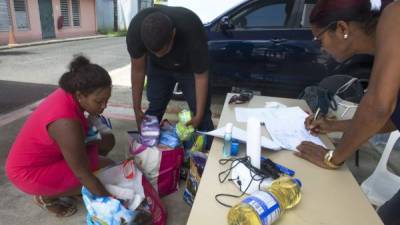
x: 65, y: 12
x: 272, y: 14
x: 305, y: 22
x: 4, y: 16
x: 21, y: 16
x: 145, y: 4
x: 76, y: 12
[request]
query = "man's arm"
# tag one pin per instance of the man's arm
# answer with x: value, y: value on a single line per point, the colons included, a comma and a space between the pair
x: 379, y: 102
x: 201, y: 83
x: 138, y: 70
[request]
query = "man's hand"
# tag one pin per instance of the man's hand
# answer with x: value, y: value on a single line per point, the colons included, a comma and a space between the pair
x: 139, y: 115
x: 313, y: 153
x: 195, y: 121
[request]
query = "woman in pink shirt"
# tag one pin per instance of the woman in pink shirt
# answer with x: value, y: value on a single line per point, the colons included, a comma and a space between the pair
x: 49, y: 158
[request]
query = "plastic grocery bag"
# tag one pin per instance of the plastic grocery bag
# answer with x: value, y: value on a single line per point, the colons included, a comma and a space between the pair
x: 135, y: 200
x: 160, y: 164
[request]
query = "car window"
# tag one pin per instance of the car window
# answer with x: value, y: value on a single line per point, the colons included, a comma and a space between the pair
x: 305, y: 22
x: 267, y: 14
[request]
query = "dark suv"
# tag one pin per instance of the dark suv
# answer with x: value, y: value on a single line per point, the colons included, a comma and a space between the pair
x: 267, y: 45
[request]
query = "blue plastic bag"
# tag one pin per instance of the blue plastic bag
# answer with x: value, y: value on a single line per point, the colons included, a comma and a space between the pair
x: 105, y: 210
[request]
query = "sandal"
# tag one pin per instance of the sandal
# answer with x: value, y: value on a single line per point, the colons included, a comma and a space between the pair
x: 60, y: 207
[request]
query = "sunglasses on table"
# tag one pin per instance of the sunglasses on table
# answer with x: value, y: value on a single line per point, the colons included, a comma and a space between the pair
x: 241, y: 98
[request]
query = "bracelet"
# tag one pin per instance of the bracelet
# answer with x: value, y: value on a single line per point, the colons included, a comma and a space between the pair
x: 327, y: 160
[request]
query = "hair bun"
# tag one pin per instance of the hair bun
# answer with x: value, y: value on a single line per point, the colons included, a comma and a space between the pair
x: 78, y: 62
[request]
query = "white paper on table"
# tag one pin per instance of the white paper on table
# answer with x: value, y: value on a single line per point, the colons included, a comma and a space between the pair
x: 274, y: 105
x: 286, y: 127
x: 241, y: 135
x: 243, y: 114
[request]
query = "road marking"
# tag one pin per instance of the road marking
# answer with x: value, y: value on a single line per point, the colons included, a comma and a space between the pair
x: 113, y: 111
x: 121, y: 76
x: 17, y: 114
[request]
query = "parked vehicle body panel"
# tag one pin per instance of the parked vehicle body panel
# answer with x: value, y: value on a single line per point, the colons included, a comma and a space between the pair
x: 267, y: 45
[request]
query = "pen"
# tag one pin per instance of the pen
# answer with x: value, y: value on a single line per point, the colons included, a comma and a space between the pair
x: 285, y: 170
x: 316, y: 114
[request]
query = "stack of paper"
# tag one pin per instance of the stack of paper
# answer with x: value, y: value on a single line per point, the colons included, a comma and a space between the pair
x: 284, y: 124
x: 240, y: 135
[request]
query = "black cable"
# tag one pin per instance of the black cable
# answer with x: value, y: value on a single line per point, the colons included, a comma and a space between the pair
x: 253, y: 173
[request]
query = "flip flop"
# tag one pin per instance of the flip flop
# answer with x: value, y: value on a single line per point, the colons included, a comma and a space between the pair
x: 60, y: 207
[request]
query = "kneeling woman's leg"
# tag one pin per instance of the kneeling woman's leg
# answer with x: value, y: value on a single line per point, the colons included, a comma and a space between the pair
x: 389, y: 212
x: 55, y: 186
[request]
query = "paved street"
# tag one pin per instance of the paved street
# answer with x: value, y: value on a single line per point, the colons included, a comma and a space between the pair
x: 44, y: 64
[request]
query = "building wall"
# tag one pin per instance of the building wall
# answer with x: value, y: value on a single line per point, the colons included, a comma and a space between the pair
x: 33, y: 33
x: 105, y: 14
x: 127, y: 9
x: 87, y: 22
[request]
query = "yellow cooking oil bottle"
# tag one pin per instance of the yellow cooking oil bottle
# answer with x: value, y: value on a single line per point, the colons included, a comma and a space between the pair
x: 265, y: 207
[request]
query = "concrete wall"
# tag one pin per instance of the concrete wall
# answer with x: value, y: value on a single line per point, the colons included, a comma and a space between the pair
x: 87, y: 22
x: 105, y: 14
x: 33, y: 33
x: 127, y: 9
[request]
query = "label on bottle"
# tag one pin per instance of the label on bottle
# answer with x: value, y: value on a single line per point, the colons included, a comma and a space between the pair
x: 265, y: 205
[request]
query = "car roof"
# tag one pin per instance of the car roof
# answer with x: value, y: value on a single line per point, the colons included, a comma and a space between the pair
x: 207, y: 10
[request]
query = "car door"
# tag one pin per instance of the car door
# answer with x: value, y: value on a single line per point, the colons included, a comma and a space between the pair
x: 309, y: 65
x: 263, y: 47
x: 250, y: 51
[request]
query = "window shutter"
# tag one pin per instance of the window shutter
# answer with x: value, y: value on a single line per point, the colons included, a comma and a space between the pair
x: 65, y: 12
x: 4, y: 16
x: 21, y: 15
x: 76, y: 12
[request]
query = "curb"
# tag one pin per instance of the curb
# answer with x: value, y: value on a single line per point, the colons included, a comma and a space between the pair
x: 52, y: 41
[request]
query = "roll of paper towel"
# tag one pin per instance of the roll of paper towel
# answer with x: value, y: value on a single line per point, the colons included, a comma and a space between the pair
x: 254, y: 141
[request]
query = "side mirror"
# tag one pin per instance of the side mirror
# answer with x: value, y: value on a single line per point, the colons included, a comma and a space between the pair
x: 225, y: 24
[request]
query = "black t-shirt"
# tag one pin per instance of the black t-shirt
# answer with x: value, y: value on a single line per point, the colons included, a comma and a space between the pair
x: 189, y: 52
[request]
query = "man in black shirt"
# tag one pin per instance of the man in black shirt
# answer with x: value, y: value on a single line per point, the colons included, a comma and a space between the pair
x: 173, y: 44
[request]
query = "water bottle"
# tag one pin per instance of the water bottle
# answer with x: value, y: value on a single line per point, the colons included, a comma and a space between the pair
x: 226, y: 150
x: 265, y: 207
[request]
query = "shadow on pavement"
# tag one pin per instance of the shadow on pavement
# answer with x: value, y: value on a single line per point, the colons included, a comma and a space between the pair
x: 7, y: 53
x: 14, y: 95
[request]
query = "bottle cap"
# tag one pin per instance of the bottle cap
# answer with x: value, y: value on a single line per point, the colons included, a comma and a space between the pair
x: 228, y: 128
x: 298, y: 182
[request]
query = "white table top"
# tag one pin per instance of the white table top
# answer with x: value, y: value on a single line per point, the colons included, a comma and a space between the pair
x: 329, y: 197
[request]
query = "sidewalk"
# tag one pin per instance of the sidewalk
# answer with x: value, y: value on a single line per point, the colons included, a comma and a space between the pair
x: 51, y: 41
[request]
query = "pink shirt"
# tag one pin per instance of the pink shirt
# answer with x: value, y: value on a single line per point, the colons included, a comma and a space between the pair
x: 34, y: 153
